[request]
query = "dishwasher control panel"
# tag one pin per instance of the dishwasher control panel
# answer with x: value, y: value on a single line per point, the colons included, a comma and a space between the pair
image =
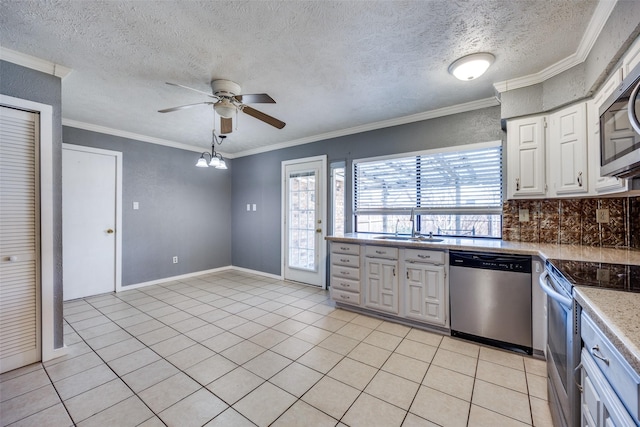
x: 516, y: 263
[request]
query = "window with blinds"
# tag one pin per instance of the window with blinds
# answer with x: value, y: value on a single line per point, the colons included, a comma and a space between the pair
x: 451, y: 192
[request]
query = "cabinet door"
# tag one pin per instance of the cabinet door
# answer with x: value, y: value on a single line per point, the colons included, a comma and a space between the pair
x: 425, y: 296
x: 526, y: 157
x: 381, y: 284
x: 568, y: 150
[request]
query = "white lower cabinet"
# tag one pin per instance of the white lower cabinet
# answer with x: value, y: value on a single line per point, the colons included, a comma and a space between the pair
x: 381, y: 284
x: 425, y: 298
x: 404, y: 282
x: 610, y: 388
x: 345, y: 273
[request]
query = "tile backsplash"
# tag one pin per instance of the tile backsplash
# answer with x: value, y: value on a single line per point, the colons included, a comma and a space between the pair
x: 573, y: 221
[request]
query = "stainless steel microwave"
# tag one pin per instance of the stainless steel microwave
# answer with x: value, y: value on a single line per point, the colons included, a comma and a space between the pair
x: 620, y: 129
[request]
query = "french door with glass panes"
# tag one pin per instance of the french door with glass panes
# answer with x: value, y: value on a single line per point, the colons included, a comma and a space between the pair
x: 304, y: 208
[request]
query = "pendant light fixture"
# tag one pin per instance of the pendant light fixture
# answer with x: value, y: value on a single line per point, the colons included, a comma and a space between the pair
x: 472, y: 66
x: 215, y: 159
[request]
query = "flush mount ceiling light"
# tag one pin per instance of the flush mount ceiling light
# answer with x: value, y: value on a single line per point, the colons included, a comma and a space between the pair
x: 471, y: 66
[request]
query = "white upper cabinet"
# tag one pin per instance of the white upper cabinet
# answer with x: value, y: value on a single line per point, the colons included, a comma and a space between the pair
x: 568, y: 150
x: 526, y: 157
x: 631, y: 58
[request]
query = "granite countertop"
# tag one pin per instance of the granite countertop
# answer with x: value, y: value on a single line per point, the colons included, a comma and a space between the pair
x: 544, y: 250
x: 617, y: 314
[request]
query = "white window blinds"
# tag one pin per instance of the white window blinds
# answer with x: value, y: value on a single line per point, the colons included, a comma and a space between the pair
x: 465, y: 181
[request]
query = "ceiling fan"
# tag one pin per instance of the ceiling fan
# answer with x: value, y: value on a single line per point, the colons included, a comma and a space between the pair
x: 228, y: 101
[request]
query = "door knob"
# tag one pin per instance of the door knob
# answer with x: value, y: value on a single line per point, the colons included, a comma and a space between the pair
x: 318, y: 230
x: 109, y: 231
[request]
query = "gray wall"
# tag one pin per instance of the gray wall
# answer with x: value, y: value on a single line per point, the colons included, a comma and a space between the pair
x: 184, y: 210
x: 581, y: 81
x: 256, y: 179
x: 35, y: 86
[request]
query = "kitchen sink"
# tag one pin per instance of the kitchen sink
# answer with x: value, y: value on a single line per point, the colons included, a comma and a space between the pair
x: 411, y: 239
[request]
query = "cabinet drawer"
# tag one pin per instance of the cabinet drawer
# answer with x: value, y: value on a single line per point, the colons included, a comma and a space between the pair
x: 418, y: 255
x: 623, y: 379
x: 344, y: 259
x: 381, y: 252
x: 345, y: 284
x: 345, y: 248
x: 345, y: 296
x: 352, y: 273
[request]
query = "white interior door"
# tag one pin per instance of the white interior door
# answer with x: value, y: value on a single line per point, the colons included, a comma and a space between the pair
x: 19, y: 239
x: 90, y: 221
x: 304, y: 207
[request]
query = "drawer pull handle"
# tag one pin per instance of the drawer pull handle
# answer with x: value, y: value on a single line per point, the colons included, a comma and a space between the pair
x: 594, y: 352
x: 344, y: 260
x: 517, y: 184
x: 343, y: 248
x: 345, y: 273
x: 579, y: 179
x: 424, y: 256
x: 344, y: 297
x: 381, y: 252
x: 346, y: 285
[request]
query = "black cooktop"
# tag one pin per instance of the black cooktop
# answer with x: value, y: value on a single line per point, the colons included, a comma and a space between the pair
x: 620, y: 277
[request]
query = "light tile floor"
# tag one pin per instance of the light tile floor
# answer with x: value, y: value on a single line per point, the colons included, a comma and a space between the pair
x: 236, y: 349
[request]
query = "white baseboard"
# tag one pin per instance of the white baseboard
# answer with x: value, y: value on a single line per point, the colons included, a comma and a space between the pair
x: 172, y: 278
x: 258, y: 273
x: 195, y: 274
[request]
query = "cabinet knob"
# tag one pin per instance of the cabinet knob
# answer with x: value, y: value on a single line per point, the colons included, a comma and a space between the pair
x: 110, y: 231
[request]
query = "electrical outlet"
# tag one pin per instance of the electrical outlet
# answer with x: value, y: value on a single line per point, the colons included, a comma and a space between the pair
x: 175, y: 259
x: 602, y: 216
x: 602, y: 275
x: 523, y: 215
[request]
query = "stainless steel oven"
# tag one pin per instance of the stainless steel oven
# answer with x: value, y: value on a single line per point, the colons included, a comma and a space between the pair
x: 563, y: 348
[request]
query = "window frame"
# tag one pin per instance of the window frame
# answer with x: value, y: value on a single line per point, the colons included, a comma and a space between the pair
x: 420, y: 211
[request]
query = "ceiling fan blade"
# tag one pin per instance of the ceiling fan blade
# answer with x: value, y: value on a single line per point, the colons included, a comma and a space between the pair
x: 264, y: 117
x: 255, y: 98
x: 226, y: 125
x: 190, y: 88
x: 182, y: 107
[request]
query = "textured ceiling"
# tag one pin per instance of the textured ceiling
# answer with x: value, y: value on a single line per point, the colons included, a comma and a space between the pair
x: 330, y: 65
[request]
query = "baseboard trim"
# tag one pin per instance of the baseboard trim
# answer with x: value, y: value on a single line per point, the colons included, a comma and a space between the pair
x: 195, y: 274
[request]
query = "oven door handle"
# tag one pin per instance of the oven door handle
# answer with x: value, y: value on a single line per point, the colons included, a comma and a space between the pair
x: 564, y: 301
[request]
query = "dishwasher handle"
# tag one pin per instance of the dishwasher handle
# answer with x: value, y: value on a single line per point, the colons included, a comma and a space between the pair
x: 553, y: 294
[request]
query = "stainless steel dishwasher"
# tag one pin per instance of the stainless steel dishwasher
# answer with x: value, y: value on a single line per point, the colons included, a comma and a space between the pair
x: 490, y: 297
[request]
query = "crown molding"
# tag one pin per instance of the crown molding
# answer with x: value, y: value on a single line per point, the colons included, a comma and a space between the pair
x: 597, y: 22
x: 432, y: 114
x: 446, y: 111
x: 34, y: 63
x: 135, y: 136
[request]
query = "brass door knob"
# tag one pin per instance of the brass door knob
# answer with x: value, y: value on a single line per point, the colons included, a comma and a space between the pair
x: 109, y: 231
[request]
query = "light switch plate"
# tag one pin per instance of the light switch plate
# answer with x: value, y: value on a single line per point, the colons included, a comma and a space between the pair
x: 136, y: 206
x: 523, y: 215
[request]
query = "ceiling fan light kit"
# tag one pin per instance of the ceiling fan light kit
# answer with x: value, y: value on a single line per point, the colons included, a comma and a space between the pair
x: 470, y: 67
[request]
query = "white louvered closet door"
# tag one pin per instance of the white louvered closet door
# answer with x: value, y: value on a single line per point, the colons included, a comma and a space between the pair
x: 19, y: 239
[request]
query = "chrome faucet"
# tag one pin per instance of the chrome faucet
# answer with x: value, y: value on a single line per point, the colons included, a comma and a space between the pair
x: 414, y: 233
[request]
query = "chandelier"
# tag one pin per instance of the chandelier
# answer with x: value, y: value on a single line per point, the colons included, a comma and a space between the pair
x: 215, y: 159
